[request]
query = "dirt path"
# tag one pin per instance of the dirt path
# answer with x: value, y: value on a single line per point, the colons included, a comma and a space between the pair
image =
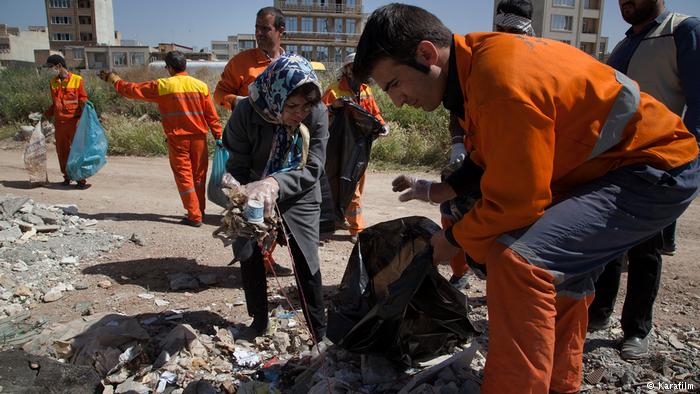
x: 138, y: 195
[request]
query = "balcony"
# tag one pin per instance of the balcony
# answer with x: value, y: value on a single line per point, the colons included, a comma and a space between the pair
x: 319, y: 36
x: 323, y: 8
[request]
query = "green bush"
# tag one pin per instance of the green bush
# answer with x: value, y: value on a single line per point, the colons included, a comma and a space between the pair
x: 22, y: 91
x: 132, y: 137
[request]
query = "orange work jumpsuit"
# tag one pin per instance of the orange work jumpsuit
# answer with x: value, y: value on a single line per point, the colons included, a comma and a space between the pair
x: 238, y: 74
x: 187, y: 114
x: 68, y: 97
x: 341, y: 88
x: 540, y: 131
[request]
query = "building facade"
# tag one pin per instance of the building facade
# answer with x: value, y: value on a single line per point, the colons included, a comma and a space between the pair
x: 575, y: 22
x: 80, y: 23
x: 224, y: 50
x: 17, y: 46
x: 322, y: 30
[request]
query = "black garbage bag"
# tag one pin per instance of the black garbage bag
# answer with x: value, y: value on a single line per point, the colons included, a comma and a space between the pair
x: 347, y: 153
x: 393, y: 301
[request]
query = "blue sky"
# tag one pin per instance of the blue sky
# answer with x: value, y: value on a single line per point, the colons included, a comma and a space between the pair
x: 196, y: 23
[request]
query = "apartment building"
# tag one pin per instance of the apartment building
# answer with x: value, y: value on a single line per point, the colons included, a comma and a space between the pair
x: 80, y: 23
x: 575, y: 22
x: 321, y: 30
x: 224, y: 50
x: 17, y: 46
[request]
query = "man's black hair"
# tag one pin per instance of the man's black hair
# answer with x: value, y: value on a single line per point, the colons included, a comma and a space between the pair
x: 394, y: 31
x: 56, y: 59
x: 279, y: 16
x: 518, y: 7
x: 176, y: 60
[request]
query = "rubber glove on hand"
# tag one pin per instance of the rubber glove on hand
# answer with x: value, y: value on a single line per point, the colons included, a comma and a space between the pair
x: 385, y: 131
x: 418, y: 189
x: 266, y: 191
x: 229, y: 181
x: 109, y: 76
x: 458, y: 153
x: 443, y: 250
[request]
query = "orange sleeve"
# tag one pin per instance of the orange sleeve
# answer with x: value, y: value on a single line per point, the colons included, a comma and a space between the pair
x: 229, y: 84
x: 212, y: 117
x: 147, y: 91
x: 328, y: 97
x: 517, y: 154
x: 373, y: 108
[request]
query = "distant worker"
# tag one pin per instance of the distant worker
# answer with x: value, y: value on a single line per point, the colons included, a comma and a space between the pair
x: 242, y: 69
x: 360, y: 94
x: 68, y: 98
x: 661, y: 51
x: 514, y: 16
x: 187, y: 114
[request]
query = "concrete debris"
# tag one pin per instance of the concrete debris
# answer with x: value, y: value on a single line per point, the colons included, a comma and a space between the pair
x: 41, y: 250
x: 137, y: 239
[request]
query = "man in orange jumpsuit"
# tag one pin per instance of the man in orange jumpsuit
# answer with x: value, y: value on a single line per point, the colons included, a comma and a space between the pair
x: 242, y: 69
x: 68, y: 98
x: 576, y: 165
x: 187, y: 114
x: 361, y: 94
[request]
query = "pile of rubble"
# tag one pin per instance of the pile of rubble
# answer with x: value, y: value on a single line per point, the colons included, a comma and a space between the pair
x: 41, y: 248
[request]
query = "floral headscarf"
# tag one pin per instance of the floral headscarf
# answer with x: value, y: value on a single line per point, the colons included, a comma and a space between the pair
x: 268, y: 94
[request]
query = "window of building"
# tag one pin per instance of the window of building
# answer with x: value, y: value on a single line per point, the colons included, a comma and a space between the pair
x: 350, y: 26
x: 138, y: 59
x: 119, y: 58
x: 85, y: 20
x: 62, y: 37
x: 61, y: 20
x: 292, y: 49
x: 307, y: 24
x: 591, y: 4
x: 4, y: 47
x: 85, y: 36
x: 349, y: 50
x: 291, y: 24
x: 564, y: 3
x: 307, y: 51
x: 588, y: 47
x: 589, y: 26
x: 338, y: 25
x: 83, y: 3
x: 562, y: 22
x: 322, y: 54
x: 337, y: 54
x: 78, y: 53
x: 247, y: 44
x: 350, y: 3
x: 322, y: 25
x: 59, y: 4
x: 308, y: 2
x: 567, y: 42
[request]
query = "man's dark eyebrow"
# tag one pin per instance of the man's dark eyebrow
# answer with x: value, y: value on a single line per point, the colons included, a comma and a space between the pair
x: 388, y: 85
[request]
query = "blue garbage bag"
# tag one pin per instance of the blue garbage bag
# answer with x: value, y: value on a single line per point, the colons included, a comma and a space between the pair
x: 88, y: 152
x: 218, y: 169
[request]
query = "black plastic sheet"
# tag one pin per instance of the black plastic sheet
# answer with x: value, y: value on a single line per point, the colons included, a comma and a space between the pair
x: 393, y: 301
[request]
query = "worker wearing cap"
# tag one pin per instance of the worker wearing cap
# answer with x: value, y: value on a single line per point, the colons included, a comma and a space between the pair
x: 68, y: 98
x: 576, y: 165
x: 242, y: 69
x: 360, y: 94
x: 187, y: 114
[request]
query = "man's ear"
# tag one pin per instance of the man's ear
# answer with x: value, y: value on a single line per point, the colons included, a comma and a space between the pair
x: 427, y: 53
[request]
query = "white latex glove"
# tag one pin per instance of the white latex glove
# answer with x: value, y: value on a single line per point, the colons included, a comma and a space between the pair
x: 229, y: 181
x: 385, y: 131
x: 458, y: 153
x: 266, y: 191
x: 418, y: 189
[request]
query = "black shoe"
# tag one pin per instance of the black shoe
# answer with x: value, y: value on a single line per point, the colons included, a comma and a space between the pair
x: 257, y: 328
x: 668, y: 251
x: 193, y: 223
x: 65, y: 182
x: 634, y: 348
x: 82, y: 185
x: 459, y: 282
x: 279, y: 270
x: 598, y: 324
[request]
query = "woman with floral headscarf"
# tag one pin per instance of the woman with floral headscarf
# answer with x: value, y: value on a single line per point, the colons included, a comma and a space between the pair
x: 277, y: 143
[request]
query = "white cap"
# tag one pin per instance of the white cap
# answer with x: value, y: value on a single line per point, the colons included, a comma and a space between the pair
x: 349, y: 59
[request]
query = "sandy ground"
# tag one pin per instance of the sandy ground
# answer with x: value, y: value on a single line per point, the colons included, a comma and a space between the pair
x: 138, y: 195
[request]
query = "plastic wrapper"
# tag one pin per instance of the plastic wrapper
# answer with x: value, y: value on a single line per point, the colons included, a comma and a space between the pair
x: 34, y: 156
